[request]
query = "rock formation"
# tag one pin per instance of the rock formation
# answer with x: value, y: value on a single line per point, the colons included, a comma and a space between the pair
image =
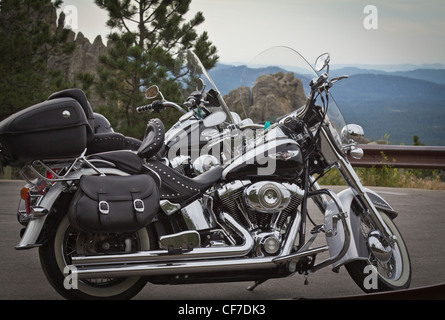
x: 85, y: 57
x: 272, y: 96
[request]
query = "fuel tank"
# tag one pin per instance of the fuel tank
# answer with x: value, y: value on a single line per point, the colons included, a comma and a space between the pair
x: 184, y: 136
x: 272, y: 155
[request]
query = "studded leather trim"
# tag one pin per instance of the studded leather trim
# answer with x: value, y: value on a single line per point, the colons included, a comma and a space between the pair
x: 175, y: 187
x: 154, y: 139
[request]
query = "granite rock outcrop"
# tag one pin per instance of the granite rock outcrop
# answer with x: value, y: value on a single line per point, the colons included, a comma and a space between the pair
x: 271, y: 96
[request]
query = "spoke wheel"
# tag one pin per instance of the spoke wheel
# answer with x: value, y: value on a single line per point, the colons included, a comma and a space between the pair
x: 388, y: 266
x: 55, y: 257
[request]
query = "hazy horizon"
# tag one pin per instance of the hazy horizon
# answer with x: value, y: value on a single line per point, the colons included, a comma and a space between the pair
x: 387, y: 33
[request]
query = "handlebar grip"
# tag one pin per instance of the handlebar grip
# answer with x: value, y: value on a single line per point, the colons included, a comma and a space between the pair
x: 156, y: 106
x: 147, y: 107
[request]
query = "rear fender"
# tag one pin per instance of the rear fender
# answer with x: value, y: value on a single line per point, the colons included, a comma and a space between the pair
x: 358, y: 249
x: 33, y: 234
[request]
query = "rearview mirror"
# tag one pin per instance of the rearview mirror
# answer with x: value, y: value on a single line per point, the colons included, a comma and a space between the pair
x: 152, y: 92
x: 322, y: 61
x: 200, y: 86
x: 352, y: 131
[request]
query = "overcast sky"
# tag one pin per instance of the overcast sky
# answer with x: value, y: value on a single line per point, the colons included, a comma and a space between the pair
x: 389, y: 32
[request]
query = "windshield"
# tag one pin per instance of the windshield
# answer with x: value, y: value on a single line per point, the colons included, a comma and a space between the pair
x: 191, y: 76
x: 274, y: 84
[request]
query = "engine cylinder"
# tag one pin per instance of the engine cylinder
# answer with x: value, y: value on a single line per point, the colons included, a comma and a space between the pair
x: 233, y: 197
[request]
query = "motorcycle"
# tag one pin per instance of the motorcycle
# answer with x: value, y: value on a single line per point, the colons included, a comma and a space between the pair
x: 214, y: 199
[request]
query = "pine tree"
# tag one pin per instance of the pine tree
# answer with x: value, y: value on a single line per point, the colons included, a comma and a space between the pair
x: 146, y: 35
x: 416, y: 141
x: 27, y: 41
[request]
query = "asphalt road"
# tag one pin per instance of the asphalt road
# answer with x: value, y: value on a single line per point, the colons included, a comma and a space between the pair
x: 421, y: 221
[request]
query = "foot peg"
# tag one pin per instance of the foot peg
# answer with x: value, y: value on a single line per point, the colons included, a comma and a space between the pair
x: 180, y: 242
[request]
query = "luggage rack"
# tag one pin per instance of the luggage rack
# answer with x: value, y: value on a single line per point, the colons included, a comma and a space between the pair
x: 32, y: 172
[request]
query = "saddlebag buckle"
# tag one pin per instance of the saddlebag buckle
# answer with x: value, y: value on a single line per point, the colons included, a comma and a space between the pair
x: 139, y: 206
x: 104, y: 207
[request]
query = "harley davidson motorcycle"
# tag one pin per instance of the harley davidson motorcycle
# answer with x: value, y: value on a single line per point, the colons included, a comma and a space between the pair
x: 214, y: 199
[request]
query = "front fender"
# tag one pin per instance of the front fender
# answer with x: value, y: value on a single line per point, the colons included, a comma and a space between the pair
x: 358, y: 249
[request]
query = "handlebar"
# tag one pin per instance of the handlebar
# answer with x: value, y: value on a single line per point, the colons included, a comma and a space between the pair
x: 315, y: 84
x: 158, y: 106
x: 190, y: 103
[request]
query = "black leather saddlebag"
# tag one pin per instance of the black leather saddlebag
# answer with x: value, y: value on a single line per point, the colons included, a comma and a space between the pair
x: 114, y: 204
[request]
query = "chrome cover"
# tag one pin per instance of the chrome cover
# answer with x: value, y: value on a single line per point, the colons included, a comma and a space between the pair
x: 267, y: 197
x: 270, y: 197
x: 196, y: 217
x: 180, y: 241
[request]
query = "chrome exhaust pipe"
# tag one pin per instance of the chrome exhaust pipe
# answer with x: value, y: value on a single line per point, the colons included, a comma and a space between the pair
x: 200, y: 260
x: 154, y: 264
x: 189, y: 267
x: 160, y: 256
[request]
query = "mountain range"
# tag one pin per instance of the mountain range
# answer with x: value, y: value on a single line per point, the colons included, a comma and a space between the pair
x: 393, y: 105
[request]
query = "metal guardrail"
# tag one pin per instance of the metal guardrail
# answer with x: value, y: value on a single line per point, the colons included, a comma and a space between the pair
x: 379, y: 155
x: 415, y: 157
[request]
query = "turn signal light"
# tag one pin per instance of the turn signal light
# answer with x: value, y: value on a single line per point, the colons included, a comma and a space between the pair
x: 24, y: 193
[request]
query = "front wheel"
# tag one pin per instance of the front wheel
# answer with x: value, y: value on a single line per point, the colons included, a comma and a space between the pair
x: 384, y: 270
x: 55, y: 258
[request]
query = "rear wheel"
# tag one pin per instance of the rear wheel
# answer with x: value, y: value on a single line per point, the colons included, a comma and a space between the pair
x: 388, y: 267
x: 55, y: 258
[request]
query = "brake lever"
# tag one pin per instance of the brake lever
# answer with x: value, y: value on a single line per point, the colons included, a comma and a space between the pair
x: 315, y: 84
x: 334, y: 80
x: 338, y: 79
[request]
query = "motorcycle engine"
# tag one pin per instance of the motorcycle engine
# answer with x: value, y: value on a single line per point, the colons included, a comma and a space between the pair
x: 263, y: 208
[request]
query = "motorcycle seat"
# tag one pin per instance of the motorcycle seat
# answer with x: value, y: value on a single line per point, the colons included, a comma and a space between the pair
x: 111, y: 141
x: 124, y: 160
x: 208, y: 178
x: 178, y: 188
x: 103, y: 142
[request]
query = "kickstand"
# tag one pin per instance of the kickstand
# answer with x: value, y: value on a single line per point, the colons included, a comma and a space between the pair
x: 256, y: 284
x: 306, y: 276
